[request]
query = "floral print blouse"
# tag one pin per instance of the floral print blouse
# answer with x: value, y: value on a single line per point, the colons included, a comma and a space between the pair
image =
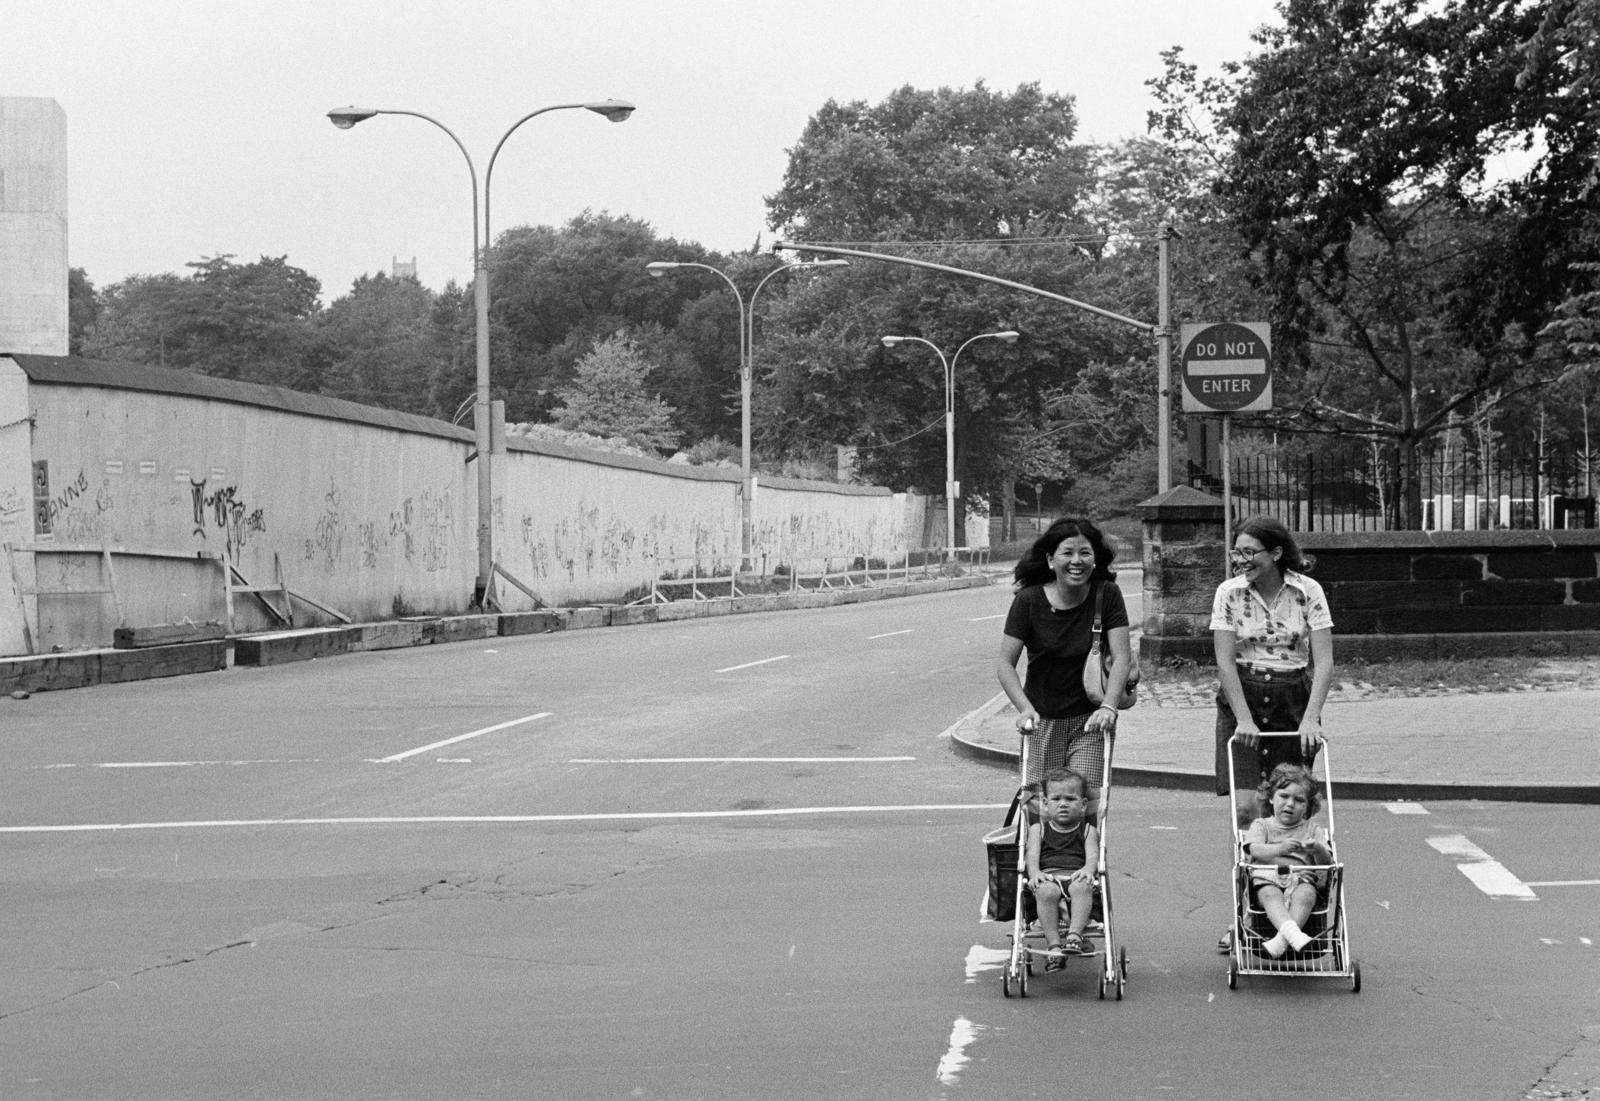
x: 1276, y: 635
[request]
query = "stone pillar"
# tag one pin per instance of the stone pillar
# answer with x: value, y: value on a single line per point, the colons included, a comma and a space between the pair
x: 33, y: 226
x: 1184, y: 561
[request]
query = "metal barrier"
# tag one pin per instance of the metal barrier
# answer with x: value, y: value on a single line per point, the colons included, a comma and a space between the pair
x: 714, y: 576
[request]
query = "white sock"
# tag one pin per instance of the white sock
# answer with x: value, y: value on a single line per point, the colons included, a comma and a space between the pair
x: 1277, y: 946
x: 1294, y: 935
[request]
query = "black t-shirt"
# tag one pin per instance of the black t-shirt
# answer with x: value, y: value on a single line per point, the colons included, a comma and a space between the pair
x: 1058, y: 644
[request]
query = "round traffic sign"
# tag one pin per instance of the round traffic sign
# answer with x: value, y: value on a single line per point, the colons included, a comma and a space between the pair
x: 1227, y: 367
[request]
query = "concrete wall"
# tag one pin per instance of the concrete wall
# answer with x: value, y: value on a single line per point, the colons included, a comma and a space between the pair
x: 371, y: 512
x: 1393, y: 594
x: 33, y: 226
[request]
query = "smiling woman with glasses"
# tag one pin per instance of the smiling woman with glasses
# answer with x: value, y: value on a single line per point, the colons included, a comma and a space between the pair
x: 1272, y: 634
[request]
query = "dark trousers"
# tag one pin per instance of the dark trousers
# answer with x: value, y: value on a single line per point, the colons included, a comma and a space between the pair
x: 1277, y: 701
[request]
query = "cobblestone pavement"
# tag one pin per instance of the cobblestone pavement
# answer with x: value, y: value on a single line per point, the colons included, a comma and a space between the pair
x: 1164, y: 689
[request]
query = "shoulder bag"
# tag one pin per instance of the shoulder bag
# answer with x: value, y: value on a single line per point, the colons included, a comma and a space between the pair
x: 1097, y: 667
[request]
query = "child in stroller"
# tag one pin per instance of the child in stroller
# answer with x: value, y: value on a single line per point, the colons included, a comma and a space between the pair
x: 1058, y: 850
x: 1286, y: 838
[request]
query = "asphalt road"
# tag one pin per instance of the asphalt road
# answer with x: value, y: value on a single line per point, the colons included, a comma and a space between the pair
x: 724, y: 858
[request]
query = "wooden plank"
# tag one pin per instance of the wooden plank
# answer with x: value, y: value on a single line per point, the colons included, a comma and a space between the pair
x: 163, y: 661
x: 287, y: 646
x: 166, y: 634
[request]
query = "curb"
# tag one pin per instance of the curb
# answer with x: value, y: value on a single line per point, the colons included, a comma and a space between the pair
x: 1366, y: 790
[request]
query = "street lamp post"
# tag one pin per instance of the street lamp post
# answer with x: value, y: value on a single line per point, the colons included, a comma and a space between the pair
x: 344, y: 118
x: 747, y: 337
x: 949, y: 365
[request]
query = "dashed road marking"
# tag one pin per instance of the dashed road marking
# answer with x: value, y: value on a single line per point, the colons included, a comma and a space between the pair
x: 1486, y: 873
x: 735, y: 760
x: 955, y: 1058
x: 888, y: 634
x: 461, y: 738
x: 753, y: 664
x: 1405, y: 808
x: 504, y: 819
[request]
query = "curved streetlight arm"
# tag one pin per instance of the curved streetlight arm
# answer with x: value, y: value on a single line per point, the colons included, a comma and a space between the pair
x: 614, y: 109
x: 347, y: 117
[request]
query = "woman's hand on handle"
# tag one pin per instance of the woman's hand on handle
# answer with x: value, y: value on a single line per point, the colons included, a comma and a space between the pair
x: 1246, y: 730
x: 1310, y: 736
x: 1027, y: 721
x: 1102, y: 721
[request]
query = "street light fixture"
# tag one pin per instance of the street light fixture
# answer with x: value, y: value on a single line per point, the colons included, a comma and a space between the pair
x: 747, y: 336
x: 344, y: 118
x: 949, y: 365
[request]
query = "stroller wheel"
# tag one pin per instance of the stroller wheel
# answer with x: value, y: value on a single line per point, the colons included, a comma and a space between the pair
x: 1233, y: 975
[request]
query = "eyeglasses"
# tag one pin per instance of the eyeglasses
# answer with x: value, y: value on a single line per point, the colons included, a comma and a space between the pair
x: 1245, y: 556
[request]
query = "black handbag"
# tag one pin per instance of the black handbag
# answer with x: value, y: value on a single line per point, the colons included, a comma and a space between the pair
x: 1000, y: 899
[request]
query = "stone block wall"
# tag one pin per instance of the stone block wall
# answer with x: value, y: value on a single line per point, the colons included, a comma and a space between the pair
x: 1393, y: 594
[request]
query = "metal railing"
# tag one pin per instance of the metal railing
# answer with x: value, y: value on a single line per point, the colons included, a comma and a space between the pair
x: 1380, y: 490
x: 714, y: 576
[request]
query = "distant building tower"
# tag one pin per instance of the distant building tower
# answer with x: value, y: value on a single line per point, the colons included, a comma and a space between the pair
x: 403, y: 270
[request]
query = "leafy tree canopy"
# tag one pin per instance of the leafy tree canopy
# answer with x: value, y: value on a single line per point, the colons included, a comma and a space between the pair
x: 949, y: 163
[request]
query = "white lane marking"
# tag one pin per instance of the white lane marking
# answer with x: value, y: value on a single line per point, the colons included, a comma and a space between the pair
x: 955, y: 1057
x: 753, y: 664
x: 732, y: 760
x: 888, y: 634
x: 501, y: 819
x: 195, y: 764
x: 1405, y: 808
x: 985, y: 618
x: 461, y: 738
x: 981, y: 959
x: 1563, y: 883
x: 1487, y: 874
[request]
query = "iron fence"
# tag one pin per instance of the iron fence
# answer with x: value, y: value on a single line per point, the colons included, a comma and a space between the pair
x: 1384, y: 489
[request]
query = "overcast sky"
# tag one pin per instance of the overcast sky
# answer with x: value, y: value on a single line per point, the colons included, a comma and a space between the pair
x: 199, y: 128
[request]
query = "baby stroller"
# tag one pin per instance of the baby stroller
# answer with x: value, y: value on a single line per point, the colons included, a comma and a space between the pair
x: 1328, y: 955
x: 1011, y: 900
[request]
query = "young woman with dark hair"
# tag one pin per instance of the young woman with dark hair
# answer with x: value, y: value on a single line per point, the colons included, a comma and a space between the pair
x: 1064, y: 576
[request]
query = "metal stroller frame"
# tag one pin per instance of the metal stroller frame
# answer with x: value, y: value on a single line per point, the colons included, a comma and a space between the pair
x: 1328, y: 955
x: 1113, y: 957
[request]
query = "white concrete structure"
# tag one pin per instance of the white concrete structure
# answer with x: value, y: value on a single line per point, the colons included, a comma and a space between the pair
x: 365, y: 510
x: 33, y: 226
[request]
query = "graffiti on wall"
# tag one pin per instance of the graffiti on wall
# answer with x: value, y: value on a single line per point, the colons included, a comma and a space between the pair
x: 327, y: 539
x: 13, y: 506
x: 424, y: 528
x: 225, y: 512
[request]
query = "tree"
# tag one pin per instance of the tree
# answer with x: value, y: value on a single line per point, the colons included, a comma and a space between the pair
x: 381, y: 346
x: 949, y: 163
x: 558, y: 291
x: 137, y: 320
x: 83, y: 306
x: 245, y: 321
x: 977, y: 180
x: 608, y: 397
x: 1405, y: 280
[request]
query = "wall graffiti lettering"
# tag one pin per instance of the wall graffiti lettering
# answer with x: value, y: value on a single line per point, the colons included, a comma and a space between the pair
x: 400, y: 525
x: 13, y: 506
x: 68, y: 496
x: 327, y: 542
x: 227, y: 512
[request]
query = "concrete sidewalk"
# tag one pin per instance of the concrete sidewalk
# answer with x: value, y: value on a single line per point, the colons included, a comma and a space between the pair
x: 1541, y: 745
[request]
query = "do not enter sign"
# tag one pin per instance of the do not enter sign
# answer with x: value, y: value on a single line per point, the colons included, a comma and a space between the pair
x: 1227, y: 367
